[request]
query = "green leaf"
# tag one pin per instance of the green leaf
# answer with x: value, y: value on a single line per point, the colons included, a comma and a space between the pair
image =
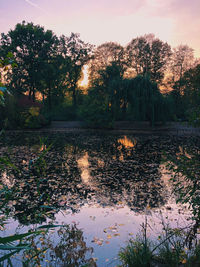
x: 49, y: 226
x: 8, y: 239
x: 48, y: 207
x: 18, y: 247
x: 7, y: 256
x: 6, y: 162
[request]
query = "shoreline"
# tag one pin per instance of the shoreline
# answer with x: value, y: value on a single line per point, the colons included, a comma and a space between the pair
x: 171, y: 128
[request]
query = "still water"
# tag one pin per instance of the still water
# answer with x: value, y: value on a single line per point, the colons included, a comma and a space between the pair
x: 101, y: 185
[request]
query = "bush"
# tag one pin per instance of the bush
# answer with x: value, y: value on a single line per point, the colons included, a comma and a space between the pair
x: 96, y: 116
x: 63, y: 112
x: 95, y: 112
x: 193, y: 116
x: 32, y: 119
x: 9, y: 115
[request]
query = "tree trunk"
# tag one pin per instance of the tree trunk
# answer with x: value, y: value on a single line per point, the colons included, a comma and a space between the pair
x: 29, y: 95
x: 49, y: 99
x: 74, y: 97
x: 124, y: 109
x: 33, y: 95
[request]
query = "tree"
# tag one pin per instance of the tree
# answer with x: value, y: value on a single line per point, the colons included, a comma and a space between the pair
x: 111, y: 79
x: 182, y: 60
x: 138, y: 55
x: 191, y: 94
x: 147, y: 103
x: 5, y: 63
x: 148, y: 55
x: 32, y: 47
x: 55, y: 79
x: 7, y: 104
x: 112, y: 95
x: 103, y: 103
x: 79, y: 53
x: 105, y: 55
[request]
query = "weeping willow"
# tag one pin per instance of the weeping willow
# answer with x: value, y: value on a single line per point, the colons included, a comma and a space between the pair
x: 147, y: 103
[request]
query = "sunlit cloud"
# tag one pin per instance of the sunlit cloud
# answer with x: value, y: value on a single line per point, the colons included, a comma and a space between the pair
x: 186, y: 21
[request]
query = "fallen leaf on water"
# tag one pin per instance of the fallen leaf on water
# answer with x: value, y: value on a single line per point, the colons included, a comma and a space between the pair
x: 95, y: 239
x: 117, y: 234
x: 113, y: 228
x: 109, y: 236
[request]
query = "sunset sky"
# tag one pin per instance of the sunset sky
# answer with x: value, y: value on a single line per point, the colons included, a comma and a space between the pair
x: 99, y: 21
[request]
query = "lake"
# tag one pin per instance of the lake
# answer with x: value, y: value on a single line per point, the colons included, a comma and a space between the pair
x: 101, y: 185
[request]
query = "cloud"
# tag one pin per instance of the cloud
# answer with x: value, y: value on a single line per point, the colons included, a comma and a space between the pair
x: 173, y: 8
x: 191, y: 7
x: 32, y: 3
x: 35, y: 5
x: 185, y: 21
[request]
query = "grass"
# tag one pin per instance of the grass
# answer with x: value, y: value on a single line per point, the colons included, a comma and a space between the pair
x: 170, y: 250
x: 136, y: 254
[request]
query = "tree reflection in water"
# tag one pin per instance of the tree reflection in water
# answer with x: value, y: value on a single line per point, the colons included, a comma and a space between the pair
x: 87, y: 168
x: 65, y: 247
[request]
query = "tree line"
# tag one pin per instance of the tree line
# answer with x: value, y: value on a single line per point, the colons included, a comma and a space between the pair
x: 146, y: 80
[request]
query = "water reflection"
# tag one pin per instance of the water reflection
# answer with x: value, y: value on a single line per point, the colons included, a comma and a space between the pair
x: 83, y: 164
x: 105, y: 182
x: 7, y: 179
x: 89, y: 170
x: 126, y: 142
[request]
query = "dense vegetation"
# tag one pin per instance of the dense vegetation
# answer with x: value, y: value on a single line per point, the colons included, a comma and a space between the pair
x: 146, y: 80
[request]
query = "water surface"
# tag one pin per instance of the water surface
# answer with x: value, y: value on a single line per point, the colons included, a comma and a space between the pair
x: 104, y: 184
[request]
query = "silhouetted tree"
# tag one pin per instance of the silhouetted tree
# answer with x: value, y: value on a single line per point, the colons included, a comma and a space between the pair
x: 102, y: 104
x: 105, y: 55
x: 55, y: 79
x: 31, y: 46
x: 191, y: 94
x: 182, y: 60
x: 148, y: 55
x: 79, y: 53
x: 147, y: 103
